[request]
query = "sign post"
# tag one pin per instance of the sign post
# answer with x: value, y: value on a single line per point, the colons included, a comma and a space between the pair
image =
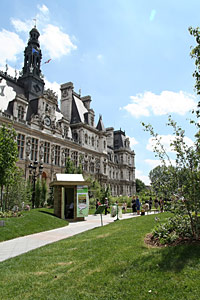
x: 100, y: 210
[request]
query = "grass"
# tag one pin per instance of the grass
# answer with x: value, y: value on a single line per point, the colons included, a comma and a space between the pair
x: 35, y: 220
x: 107, y: 263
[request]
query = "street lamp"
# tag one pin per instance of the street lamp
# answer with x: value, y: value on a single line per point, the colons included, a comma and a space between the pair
x: 35, y: 170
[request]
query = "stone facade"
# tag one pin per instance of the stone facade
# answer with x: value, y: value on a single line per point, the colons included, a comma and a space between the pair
x: 50, y: 134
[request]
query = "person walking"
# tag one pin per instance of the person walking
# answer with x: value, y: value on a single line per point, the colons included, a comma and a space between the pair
x: 138, y: 204
x: 107, y: 206
x: 133, y: 202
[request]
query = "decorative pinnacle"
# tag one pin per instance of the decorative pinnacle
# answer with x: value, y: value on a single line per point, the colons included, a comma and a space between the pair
x: 35, y: 20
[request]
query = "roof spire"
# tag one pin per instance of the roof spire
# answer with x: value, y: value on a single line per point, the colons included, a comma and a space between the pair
x: 35, y: 20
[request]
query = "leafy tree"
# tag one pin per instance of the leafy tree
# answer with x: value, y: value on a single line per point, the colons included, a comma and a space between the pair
x: 183, y: 180
x: 70, y: 167
x: 17, y: 191
x: 160, y: 177
x: 140, y: 185
x: 8, y: 157
x: 43, y: 193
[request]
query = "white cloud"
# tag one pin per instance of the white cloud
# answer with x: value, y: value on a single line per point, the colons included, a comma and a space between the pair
x: 153, y: 163
x: 152, y: 15
x: 11, y: 45
x: 53, y: 86
x: 21, y: 26
x: 44, y: 9
x: 139, y: 174
x: 99, y: 56
x: 167, y: 102
x: 165, y: 141
x: 25, y: 26
x: 56, y: 42
x: 133, y: 141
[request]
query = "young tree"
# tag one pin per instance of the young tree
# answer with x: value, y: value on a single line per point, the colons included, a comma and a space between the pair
x: 8, y: 156
x: 43, y: 192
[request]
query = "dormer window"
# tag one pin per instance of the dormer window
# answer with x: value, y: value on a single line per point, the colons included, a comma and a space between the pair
x: 20, y: 113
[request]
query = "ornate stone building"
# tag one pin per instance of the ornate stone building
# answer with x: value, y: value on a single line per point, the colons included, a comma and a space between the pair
x: 50, y: 134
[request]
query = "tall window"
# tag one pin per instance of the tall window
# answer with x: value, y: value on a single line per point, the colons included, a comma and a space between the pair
x: 75, y: 158
x: 104, y: 169
x: 20, y: 144
x: 92, y: 167
x: 20, y: 113
x: 46, y: 152
x: 86, y: 138
x: 57, y: 155
x: 93, y: 141
x: 66, y: 153
x: 34, y: 149
x: 85, y: 166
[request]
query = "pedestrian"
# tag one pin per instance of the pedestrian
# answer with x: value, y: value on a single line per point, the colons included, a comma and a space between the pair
x: 133, y: 202
x: 150, y: 203
x: 107, y: 206
x: 156, y: 204
x: 97, y: 203
x: 138, y: 204
x: 124, y: 207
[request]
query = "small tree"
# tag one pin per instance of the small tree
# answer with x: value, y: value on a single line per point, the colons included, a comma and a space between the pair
x: 16, y: 190
x: 38, y: 193
x: 43, y: 193
x: 8, y: 157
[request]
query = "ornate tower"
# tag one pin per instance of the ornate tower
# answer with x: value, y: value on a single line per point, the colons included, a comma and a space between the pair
x: 31, y: 73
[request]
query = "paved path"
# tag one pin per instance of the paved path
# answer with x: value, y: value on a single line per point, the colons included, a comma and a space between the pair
x: 15, y: 247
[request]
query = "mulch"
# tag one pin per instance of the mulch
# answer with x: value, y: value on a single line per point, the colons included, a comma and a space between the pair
x: 150, y: 241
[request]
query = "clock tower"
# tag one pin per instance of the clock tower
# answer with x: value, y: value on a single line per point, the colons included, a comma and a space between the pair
x: 31, y: 73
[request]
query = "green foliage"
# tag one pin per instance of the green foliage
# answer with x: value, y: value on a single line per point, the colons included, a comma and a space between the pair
x: 173, y: 229
x: 8, y: 157
x: 140, y: 185
x: 70, y: 167
x: 43, y: 193
x: 38, y: 193
x: 50, y: 200
x: 161, y: 177
x: 195, y: 54
x: 33, y: 221
x: 16, y: 190
x: 181, y: 182
x: 106, y: 263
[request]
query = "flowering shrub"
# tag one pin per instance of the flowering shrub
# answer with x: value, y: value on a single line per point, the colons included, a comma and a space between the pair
x: 175, y: 228
x: 10, y: 214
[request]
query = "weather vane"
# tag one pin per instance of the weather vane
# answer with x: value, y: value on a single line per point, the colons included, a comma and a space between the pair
x: 35, y: 22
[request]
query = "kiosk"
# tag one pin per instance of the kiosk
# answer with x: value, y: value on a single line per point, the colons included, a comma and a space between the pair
x: 71, y: 199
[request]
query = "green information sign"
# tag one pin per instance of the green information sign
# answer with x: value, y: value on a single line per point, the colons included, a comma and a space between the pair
x: 82, y: 201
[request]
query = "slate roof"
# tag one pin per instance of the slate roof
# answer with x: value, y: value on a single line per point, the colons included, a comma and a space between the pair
x: 100, y: 125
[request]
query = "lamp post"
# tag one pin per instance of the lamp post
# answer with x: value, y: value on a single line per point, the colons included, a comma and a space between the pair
x: 35, y: 170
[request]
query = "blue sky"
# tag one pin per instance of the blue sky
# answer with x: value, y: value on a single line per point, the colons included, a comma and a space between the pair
x: 131, y: 56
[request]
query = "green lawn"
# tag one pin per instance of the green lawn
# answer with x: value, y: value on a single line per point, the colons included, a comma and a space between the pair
x: 35, y: 220
x: 106, y: 263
